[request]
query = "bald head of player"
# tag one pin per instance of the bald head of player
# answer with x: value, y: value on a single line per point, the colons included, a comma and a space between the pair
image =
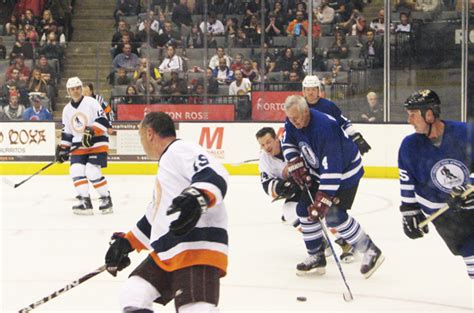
x: 156, y: 131
x: 297, y: 111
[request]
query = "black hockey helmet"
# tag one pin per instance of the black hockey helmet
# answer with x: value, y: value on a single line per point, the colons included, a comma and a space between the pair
x: 424, y: 100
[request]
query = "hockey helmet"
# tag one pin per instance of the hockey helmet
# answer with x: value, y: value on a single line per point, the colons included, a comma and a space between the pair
x: 311, y: 81
x: 423, y: 100
x: 73, y: 82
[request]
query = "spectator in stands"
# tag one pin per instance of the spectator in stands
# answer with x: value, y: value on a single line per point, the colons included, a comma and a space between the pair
x: 240, y: 86
x: 23, y: 94
x: 344, y: 11
x: 172, y: 62
x: 220, y: 53
x: 299, y: 26
x: 182, y: 15
x: 126, y: 59
x: 212, y: 84
x: 249, y: 71
x: 373, y: 112
x: 29, y: 18
x: 195, y: 38
x: 23, y: 70
x: 14, y: 110
x: 404, y: 26
x: 22, y: 47
x: 46, y: 22
x: 372, y: 51
x: 62, y: 13
x: 231, y: 27
x: 176, y: 86
x: 123, y: 41
x: 126, y: 8
x: 122, y: 30
x: 3, y: 50
x: 241, y: 40
x: 338, y: 48
x: 274, y: 27
x: 53, y: 29
x: 237, y: 63
x: 378, y: 24
x: 147, y: 37
x: 48, y: 73
x: 31, y: 35
x: 318, y: 63
x: 268, y: 59
x: 324, y: 13
x: 253, y: 7
x: 146, y: 85
x: 297, y: 68
x: 284, y: 62
x: 213, y: 27
x: 52, y: 49
x: 222, y: 73
x: 280, y: 13
x: 122, y: 78
x: 15, y: 82
x: 145, y: 65
x: 253, y: 30
x: 168, y: 36
x: 132, y: 96
x: 11, y: 26
x: 294, y: 80
x: 151, y: 18
x: 36, y: 112
x: 198, y: 95
x: 37, y: 84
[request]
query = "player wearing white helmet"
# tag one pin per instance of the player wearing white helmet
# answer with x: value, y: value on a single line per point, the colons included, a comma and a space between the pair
x: 85, y: 130
x: 311, y: 92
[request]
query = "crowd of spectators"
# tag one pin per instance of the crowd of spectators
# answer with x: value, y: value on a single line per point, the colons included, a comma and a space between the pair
x: 38, y: 32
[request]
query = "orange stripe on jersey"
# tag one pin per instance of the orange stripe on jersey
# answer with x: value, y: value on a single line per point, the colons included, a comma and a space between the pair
x: 107, y: 109
x: 210, y: 196
x: 136, y: 244
x: 92, y: 150
x: 97, y: 131
x: 80, y: 182
x: 193, y: 257
x: 102, y: 183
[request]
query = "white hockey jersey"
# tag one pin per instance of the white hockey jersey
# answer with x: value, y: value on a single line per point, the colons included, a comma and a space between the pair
x: 185, y: 164
x: 271, y: 169
x: 76, y: 117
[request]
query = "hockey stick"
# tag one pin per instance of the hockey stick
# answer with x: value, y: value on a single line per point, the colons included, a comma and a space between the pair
x: 42, y: 169
x: 443, y: 209
x: 244, y: 162
x: 63, y: 290
x: 347, y: 295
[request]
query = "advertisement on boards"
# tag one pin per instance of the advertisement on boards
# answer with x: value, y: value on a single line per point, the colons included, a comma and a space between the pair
x: 269, y: 105
x: 179, y: 112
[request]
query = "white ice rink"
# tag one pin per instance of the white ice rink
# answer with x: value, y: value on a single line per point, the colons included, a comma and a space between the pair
x: 44, y: 247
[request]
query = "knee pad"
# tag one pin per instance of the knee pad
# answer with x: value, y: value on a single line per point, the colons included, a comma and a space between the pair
x: 93, y: 172
x: 137, y: 294
x: 198, y: 307
x: 77, y: 170
x: 336, y: 216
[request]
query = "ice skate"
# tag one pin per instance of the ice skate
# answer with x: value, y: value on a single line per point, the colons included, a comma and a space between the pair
x: 315, y: 263
x: 106, y: 205
x: 347, y: 255
x: 84, y: 207
x: 373, y: 258
x: 325, y: 247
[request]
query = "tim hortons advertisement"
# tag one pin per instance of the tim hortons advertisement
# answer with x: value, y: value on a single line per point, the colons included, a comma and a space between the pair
x: 26, y: 141
x: 179, y: 112
x: 269, y: 105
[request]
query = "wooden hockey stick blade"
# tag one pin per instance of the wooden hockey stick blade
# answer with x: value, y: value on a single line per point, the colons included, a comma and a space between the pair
x: 443, y: 209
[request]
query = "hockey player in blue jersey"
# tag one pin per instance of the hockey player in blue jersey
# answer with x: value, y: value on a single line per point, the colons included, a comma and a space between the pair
x: 327, y: 164
x: 436, y: 167
x: 311, y: 92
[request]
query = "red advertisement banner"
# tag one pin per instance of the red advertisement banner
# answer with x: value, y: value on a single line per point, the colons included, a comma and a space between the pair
x: 269, y: 105
x: 178, y: 112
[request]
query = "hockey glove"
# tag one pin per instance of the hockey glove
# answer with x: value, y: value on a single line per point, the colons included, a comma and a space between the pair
x: 191, y: 203
x: 363, y: 146
x: 62, y: 154
x: 412, y: 217
x: 298, y: 171
x: 117, y: 258
x: 286, y: 189
x: 320, y: 206
x: 461, y: 198
x: 87, y: 137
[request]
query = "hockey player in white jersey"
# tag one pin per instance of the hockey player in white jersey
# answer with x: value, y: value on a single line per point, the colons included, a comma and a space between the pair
x: 184, y: 227
x: 277, y: 183
x: 85, y: 130
x: 436, y: 167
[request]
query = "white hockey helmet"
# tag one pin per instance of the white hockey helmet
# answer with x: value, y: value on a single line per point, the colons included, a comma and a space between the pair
x: 73, y: 82
x: 311, y: 81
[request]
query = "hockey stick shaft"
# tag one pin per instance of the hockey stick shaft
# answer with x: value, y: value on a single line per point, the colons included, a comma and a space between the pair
x: 326, y: 236
x: 63, y: 290
x: 42, y: 169
x: 443, y: 209
x: 244, y: 162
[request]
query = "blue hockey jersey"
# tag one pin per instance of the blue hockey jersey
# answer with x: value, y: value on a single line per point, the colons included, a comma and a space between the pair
x: 329, y: 154
x: 326, y: 106
x: 428, y: 173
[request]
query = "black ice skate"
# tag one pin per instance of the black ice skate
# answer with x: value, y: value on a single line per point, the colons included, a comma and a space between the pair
x: 106, y: 205
x: 347, y: 255
x: 315, y: 263
x: 84, y: 207
x: 373, y: 258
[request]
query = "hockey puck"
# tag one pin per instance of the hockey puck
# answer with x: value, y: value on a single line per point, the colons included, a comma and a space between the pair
x: 301, y: 299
